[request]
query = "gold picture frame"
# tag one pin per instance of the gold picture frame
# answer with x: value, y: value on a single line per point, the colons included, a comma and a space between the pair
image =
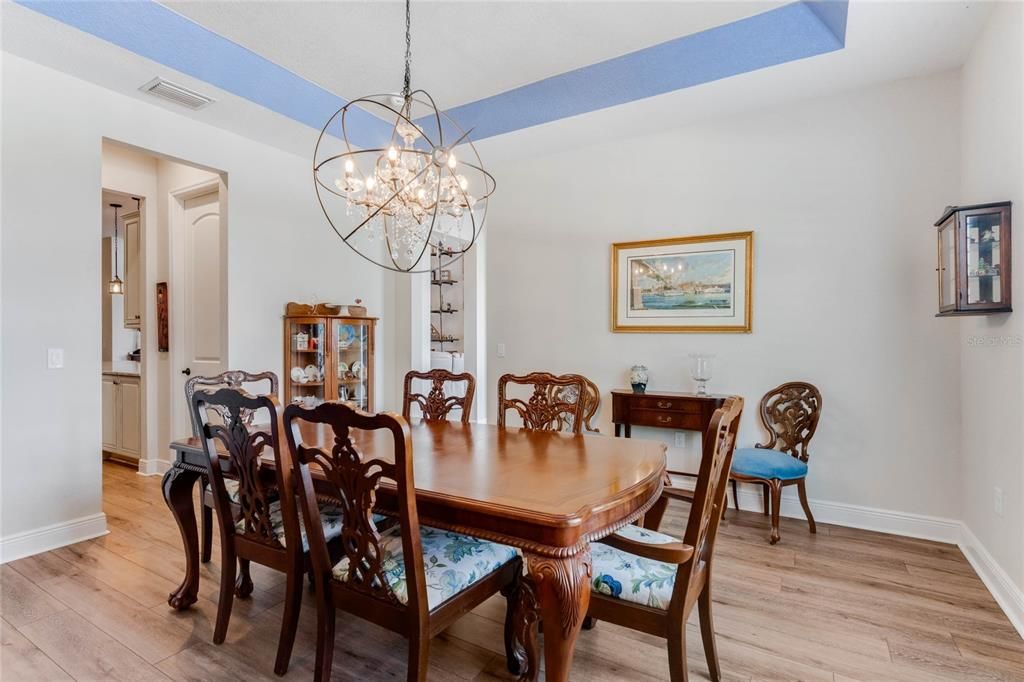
x: 702, y: 284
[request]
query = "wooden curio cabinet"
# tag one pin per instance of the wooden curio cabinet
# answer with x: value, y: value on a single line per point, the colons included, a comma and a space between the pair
x: 328, y: 356
x: 974, y: 267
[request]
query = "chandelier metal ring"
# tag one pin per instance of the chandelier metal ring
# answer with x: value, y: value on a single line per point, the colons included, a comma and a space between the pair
x: 391, y: 202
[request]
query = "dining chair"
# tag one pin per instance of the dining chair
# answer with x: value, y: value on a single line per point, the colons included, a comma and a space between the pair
x: 235, y: 378
x: 435, y: 405
x: 649, y: 581
x: 553, y: 405
x: 591, y: 400
x: 411, y: 579
x: 790, y: 415
x: 263, y: 524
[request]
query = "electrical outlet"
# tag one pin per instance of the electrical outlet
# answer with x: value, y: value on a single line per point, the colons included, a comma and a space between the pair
x: 54, y: 358
x: 997, y: 501
x: 501, y: 350
x: 680, y: 439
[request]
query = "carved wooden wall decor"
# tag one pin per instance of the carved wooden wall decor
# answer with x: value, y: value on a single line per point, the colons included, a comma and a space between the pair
x: 163, y: 336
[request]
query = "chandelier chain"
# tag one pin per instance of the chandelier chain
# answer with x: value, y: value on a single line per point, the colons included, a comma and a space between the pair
x: 407, y: 88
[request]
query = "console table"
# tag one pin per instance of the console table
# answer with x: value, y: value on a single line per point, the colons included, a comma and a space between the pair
x: 663, y: 410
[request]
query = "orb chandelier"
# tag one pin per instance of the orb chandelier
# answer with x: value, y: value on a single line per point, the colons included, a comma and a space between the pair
x: 418, y: 187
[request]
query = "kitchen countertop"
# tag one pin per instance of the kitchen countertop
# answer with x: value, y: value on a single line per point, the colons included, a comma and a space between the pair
x: 124, y: 368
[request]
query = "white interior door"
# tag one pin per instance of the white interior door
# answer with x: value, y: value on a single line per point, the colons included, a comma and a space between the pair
x: 203, y: 298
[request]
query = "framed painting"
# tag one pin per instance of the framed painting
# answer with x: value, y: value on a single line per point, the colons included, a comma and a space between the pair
x: 684, y: 284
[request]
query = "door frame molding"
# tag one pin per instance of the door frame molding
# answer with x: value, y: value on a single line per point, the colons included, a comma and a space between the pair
x: 176, y: 219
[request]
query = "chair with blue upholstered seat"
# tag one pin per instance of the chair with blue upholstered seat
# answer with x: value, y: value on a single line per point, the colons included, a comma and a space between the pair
x: 648, y: 581
x: 259, y: 520
x: 410, y: 579
x: 790, y: 414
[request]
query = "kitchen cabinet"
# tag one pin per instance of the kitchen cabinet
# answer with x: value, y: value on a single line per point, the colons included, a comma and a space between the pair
x: 122, y: 415
x: 132, y: 270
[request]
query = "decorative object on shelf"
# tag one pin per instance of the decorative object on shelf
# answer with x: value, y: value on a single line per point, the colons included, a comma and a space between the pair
x: 435, y: 334
x: 312, y: 373
x: 358, y: 369
x: 701, y: 365
x: 163, y: 327
x: 394, y: 200
x: 446, y: 275
x: 684, y: 284
x: 116, y: 286
x: 638, y: 378
x: 300, y: 341
x: 298, y: 375
x: 974, y: 266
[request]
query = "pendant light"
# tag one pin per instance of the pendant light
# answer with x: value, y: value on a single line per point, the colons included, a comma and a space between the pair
x: 406, y: 194
x: 116, y: 286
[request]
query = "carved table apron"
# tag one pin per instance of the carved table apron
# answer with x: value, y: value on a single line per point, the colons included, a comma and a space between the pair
x: 549, y: 494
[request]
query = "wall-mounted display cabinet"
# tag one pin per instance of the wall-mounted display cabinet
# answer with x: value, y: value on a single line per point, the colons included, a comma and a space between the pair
x: 328, y: 357
x: 974, y: 268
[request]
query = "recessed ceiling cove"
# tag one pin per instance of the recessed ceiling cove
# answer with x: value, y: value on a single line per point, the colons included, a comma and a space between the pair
x: 622, y: 68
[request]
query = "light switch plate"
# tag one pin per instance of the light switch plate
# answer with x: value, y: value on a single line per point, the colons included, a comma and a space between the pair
x: 501, y: 350
x: 54, y: 358
x: 680, y: 439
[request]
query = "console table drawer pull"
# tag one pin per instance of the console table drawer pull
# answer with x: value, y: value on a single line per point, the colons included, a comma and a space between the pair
x: 664, y: 404
x: 665, y: 418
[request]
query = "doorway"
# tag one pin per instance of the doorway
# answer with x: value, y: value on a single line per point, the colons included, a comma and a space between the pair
x: 174, y: 271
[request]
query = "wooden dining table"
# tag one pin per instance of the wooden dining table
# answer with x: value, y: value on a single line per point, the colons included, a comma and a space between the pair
x: 549, y: 494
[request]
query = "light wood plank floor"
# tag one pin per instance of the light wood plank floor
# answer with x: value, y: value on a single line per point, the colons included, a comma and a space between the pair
x: 842, y: 605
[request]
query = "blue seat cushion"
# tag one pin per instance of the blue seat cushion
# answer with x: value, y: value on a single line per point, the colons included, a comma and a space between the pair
x: 768, y: 464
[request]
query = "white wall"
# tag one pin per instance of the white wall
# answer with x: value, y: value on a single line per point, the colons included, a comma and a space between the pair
x: 841, y: 193
x: 279, y: 250
x: 991, y: 347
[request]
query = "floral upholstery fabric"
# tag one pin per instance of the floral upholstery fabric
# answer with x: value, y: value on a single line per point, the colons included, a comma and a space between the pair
x: 451, y: 562
x: 629, y: 577
x: 330, y: 518
x: 231, y: 486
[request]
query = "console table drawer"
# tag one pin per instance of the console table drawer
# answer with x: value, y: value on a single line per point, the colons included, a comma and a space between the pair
x: 652, y: 402
x: 665, y: 419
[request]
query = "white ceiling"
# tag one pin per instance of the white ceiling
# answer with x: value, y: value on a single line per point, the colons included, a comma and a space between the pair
x: 509, y: 44
x: 462, y: 51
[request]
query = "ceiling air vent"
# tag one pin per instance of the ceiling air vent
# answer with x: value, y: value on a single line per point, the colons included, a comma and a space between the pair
x: 178, y: 94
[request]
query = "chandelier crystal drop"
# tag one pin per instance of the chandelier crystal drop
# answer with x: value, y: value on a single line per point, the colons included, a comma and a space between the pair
x: 419, y: 187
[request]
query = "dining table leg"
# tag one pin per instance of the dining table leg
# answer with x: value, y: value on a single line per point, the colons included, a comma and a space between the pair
x: 562, y: 589
x: 178, y: 485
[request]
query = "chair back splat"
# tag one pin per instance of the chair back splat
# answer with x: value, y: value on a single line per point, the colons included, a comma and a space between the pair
x: 435, y: 405
x: 790, y: 414
x: 554, y: 404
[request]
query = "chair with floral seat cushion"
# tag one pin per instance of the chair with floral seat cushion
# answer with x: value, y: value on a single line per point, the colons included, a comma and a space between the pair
x: 412, y: 580
x: 234, y: 378
x: 262, y: 525
x: 649, y: 581
x: 790, y: 415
